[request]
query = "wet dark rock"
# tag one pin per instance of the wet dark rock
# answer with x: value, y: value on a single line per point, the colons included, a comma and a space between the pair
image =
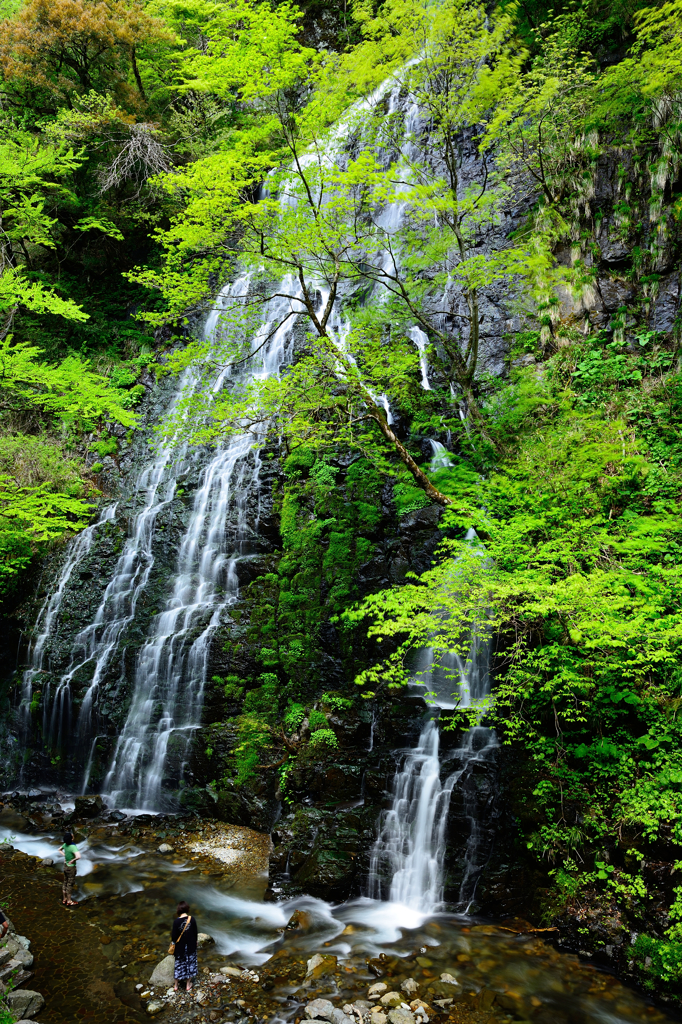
x: 88, y: 806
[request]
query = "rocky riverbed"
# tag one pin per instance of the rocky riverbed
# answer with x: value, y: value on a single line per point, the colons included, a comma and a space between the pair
x: 16, y: 961
x: 299, y: 960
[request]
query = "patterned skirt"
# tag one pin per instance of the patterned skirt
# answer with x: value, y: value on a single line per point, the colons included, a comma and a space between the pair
x: 186, y: 966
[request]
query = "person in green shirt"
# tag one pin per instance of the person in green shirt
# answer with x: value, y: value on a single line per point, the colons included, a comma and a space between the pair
x: 71, y: 855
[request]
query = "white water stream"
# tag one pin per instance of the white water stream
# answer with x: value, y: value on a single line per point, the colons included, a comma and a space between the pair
x: 407, y: 862
x: 172, y: 665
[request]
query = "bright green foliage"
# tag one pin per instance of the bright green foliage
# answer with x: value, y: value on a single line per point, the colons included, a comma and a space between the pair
x: 41, y: 499
x: 254, y: 739
x: 295, y: 714
x: 263, y: 700
x: 326, y: 535
x: 324, y: 738
x: 328, y: 230
x: 30, y: 179
x: 579, y: 579
x: 665, y: 960
x: 317, y: 720
x: 336, y: 702
x: 70, y: 392
x: 231, y: 687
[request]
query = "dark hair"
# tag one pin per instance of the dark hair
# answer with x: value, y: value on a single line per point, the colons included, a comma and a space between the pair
x: 68, y: 837
x: 183, y: 908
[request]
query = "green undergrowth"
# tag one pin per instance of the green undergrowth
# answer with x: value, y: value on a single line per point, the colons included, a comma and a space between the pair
x: 328, y: 522
x: 579, y: 584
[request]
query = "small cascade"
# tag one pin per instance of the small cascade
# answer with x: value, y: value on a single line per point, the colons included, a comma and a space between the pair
x: 49, y: 614
x: 407, y: 859
x: 411, y: 848
x: 421, y: 340
x: 441, y: 458
x: 94, y: 646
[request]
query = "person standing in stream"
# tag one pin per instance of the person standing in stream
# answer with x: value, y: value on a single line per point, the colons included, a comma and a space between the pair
x: 71, y: 855
x: 184, y: 946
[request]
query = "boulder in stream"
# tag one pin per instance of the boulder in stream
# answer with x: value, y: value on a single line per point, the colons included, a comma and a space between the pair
x: 391, y: 999
x: 163, y: 973
x: 24, y: 1002
x: 88, y: 806
x: 320, y: 964
x: 399, y: 1016
x: 319, y: 1008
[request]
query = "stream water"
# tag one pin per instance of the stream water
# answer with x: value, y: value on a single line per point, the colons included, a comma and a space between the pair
x: 89, y: 963
x: 494, y: 972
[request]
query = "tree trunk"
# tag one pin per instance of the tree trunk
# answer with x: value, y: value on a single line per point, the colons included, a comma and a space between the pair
x: 133, y: 61
x: 420, y: 477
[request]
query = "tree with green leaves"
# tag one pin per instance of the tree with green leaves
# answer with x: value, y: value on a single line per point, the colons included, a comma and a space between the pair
x: 31, y: 178
x: 320, y: 226
x: 48, y: 51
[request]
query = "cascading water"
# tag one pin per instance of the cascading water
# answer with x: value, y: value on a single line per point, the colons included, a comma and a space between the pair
x: 94, y: 646
x: 421, y: 340
x: 172, y: 665
x: 407, y: 860
x: 49, y: 614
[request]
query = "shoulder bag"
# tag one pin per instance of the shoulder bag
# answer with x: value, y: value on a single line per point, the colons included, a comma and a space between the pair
x: 171, y: 948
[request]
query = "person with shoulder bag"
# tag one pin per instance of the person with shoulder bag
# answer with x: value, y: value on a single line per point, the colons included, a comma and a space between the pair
x: 184, y: 946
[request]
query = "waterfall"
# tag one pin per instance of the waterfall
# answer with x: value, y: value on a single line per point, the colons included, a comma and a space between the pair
x: 165, y: 681
x: 411, y: 845
x: 172, y: 665
x: 94, y: 646
x: 49, y: 615
x: 411, y: 840
x: 421, y: 340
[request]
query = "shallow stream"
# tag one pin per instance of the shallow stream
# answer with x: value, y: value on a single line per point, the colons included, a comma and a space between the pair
x: 89, y: 961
